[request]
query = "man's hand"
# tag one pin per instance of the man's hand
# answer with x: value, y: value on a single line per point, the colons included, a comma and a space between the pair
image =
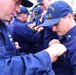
x: 55, y: 51
x: 32, y: 25
x: 38, y: 28
x: 54, y: 41
x: 17, y: 45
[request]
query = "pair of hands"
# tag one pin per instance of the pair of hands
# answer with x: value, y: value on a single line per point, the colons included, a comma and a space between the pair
x: 36, y: 28
x: 55, y: 49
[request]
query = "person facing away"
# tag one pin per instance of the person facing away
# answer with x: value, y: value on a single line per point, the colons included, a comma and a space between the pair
x: 31, y: 64
x: 60, y: 17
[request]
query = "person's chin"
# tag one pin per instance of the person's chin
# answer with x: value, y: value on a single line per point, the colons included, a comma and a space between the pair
x: 9, y: 19
x: 59, y: 34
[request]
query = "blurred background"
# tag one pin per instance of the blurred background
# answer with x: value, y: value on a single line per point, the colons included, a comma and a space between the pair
x: 70, y: 2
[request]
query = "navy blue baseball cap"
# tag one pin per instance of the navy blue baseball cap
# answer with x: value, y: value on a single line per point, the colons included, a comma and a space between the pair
x: 37, y: 12
x: 27, y: 3
x: 55, y: 12
x: 23, y: 10
x: 38, y: 2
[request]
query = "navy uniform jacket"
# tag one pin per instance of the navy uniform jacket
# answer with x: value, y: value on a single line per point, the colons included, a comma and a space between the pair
x: 48, y: 36
x: 66, y: 64
x: 12, y: 64
x: 23, y: 35
x: 38, y: 46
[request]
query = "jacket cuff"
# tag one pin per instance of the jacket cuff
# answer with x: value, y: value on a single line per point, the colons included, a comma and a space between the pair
x: 45, y: 57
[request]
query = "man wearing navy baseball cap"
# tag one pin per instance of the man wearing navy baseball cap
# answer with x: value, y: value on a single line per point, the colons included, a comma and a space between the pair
x: 55, y: 12
x: 61, y: 19
x: 44, y: 3
x: 12, y: 63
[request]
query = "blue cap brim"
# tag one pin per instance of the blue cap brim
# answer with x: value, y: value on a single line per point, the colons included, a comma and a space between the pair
x: 27, y: 3
x: 50, y: 22
x: 38, y: 3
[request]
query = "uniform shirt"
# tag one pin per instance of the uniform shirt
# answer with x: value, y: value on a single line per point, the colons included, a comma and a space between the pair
x: 24, y: 35
x: 11, y: 64
x: 66, y: 64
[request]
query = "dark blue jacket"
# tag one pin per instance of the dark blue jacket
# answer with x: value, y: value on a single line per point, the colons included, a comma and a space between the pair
x: 48, y: 36
x: 12, y: 64
x: 66, y: 64
x: 25, y: 36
